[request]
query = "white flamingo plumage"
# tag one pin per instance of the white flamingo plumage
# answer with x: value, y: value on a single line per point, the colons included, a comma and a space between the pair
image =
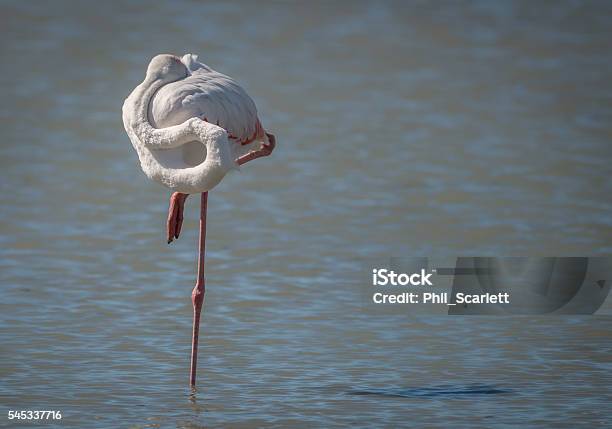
x: 190, y: 125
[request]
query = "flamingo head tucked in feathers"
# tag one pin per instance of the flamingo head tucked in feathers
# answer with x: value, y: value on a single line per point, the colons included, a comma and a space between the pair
x: 169, y: 67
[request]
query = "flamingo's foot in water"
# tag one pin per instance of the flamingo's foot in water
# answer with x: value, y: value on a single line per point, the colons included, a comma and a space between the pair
x: 265, y: 150
x: 175, y: 215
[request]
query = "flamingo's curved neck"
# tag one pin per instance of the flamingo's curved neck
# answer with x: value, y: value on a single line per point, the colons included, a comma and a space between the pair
x: 141, y: 97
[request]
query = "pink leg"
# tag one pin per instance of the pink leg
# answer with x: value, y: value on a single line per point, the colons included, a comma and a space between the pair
x: 265, y: 150
x: 197, y: 296
x: 175, y: 215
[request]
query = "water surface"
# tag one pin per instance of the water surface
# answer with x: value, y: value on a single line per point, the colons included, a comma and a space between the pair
x: 404, y: 129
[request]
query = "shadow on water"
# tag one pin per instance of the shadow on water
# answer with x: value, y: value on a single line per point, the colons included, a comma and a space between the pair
x: 431, y: 392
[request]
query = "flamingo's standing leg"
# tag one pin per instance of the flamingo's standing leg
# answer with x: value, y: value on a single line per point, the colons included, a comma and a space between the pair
x: 197, y: 296
x: 175, y: 222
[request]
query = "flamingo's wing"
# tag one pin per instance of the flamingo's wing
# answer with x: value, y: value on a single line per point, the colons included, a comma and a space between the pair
x: 211, y: 96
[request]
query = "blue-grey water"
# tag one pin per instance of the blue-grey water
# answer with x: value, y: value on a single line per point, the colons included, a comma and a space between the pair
x: 404, y: 128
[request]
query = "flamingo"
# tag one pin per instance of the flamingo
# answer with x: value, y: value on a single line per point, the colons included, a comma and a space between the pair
x: 190, y: 126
